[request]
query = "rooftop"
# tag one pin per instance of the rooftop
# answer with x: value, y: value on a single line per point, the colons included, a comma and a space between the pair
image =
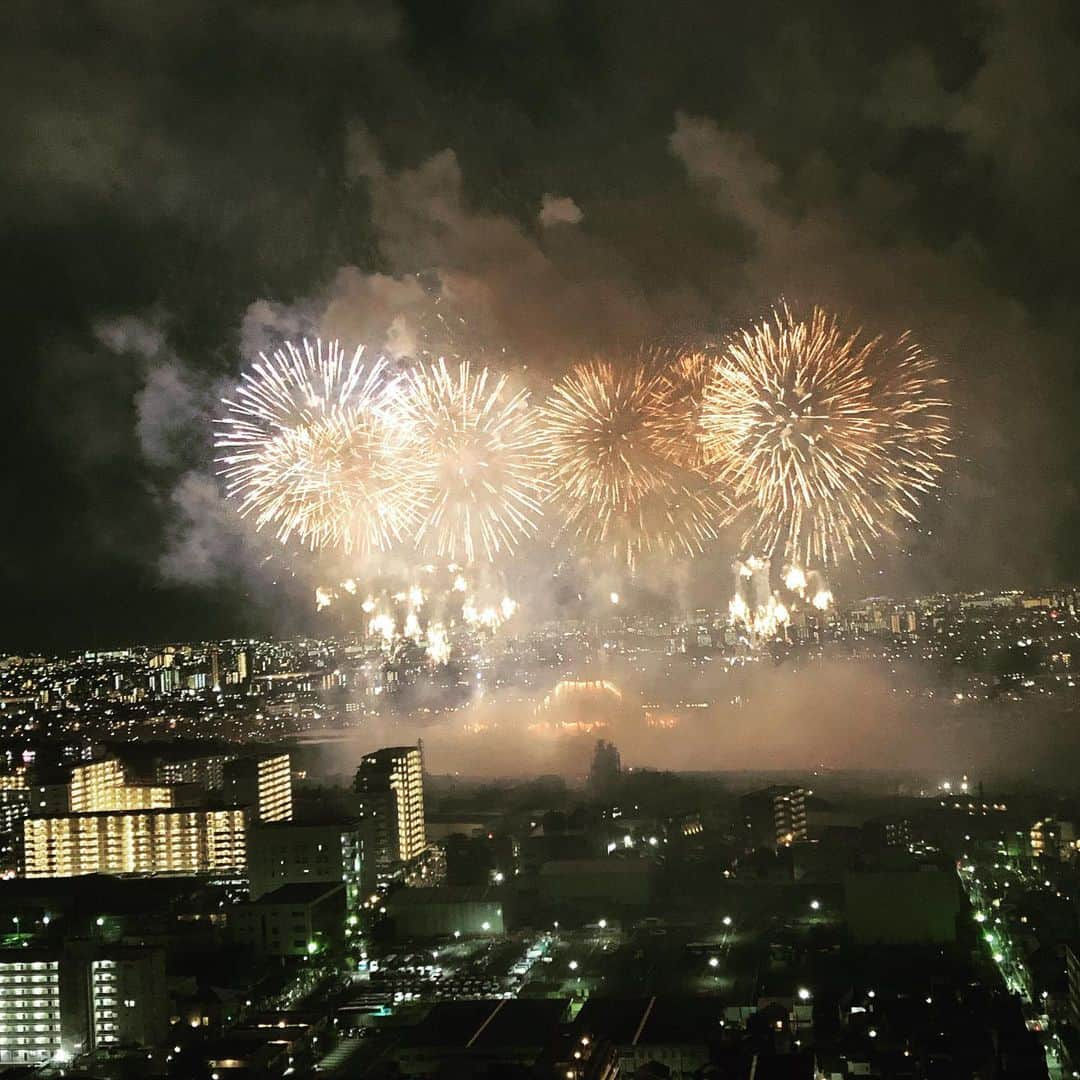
x: 301, y: 892
x: 486, y: 1025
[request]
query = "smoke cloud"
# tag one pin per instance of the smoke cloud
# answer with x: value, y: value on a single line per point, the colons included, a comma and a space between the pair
x: 908, y: 179
x: 559, y: 210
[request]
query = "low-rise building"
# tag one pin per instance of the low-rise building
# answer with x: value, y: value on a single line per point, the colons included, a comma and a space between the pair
x: 293, y: 920
x: 445, y: 910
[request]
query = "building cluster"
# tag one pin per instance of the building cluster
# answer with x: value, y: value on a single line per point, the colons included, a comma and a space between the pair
x: 971, y: 647
x: 83, y: 970
x: 174, y: 892
x: 200, y: 914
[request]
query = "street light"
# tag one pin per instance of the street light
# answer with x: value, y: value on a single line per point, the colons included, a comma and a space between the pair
x: 573, y: 965
x: 713, y: 962
x: 804, y: 994
x: 727, y: 920
x: 815, y: 905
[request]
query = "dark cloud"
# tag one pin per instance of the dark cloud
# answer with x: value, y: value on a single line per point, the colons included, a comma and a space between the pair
x: 185, y: 185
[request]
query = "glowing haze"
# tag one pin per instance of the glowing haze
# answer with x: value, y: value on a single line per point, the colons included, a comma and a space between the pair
x: 818, y: 442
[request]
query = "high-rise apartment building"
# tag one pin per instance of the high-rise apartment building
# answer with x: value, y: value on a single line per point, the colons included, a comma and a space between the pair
x: 215, y: 669
x: 390, y: 783
x: 102, y: 785
x: 30, y: 1030
x: 136, y: 842
x: 774, y: 817
x: 58, y: 1001
x: 14, y: 800
x: 128, y: 1004
x: 208, y: 772
x: 265, y: 784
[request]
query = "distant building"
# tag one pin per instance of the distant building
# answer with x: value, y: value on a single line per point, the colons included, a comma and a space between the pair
x: 295, y: 920
x: 618, y: 883
x: 290, y: 853
x: 15, y: 798
x: 897, y: 832
x: 443, y: 911
x: 1072, y: 968
x: 136, y: 842
x: 774, y: 817
x: 390, y: 783
x: 208, y: 772
x: 102, y: 785
x: 1051, y: 838
x: 265, y: 784
x: 606, y: 768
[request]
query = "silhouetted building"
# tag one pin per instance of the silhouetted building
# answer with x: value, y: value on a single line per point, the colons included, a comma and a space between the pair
x: 606, y: 768
x: 774, y: 817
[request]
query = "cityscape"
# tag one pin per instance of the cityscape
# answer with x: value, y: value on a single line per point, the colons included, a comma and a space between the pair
x: 210, y: 868
x: 540, y: 540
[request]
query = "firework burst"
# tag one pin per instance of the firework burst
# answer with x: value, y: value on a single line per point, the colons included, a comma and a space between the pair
x: 474, y: 461
x: 826, y: 440
x: 307, y: 449
x: 607, y: 430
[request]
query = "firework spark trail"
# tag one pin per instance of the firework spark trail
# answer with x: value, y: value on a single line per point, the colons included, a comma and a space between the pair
x: 430, y: 614
x: 473, y: 460
x: 307, y: 448
x: 607, y: 431
x: 684, y: 375
x: 826, y: 440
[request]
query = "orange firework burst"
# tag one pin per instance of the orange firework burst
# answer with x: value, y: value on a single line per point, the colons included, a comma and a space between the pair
x: 607, y: 429
x: 825, y: 439
x: 681, y: 392
x: 474, y: 460
x: 308, y: 449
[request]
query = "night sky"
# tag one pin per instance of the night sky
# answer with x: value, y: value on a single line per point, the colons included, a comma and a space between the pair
x: 186, y: 182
